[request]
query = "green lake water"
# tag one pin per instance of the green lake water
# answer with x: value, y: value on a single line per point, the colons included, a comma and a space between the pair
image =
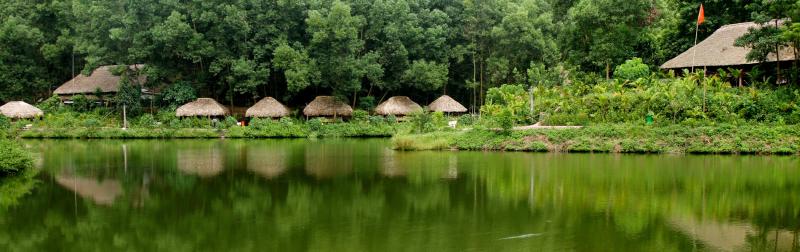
x: 359, y: 195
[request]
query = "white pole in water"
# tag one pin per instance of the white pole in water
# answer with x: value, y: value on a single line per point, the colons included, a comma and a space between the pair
x: 124, y: 118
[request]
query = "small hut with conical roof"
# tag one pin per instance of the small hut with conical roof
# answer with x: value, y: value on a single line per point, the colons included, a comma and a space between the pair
x: 327, y: 106
x: 446, y: 104
x: 203, y: 107
x: 20, y: 110
x: 268, y: 107
x: 398, y: 106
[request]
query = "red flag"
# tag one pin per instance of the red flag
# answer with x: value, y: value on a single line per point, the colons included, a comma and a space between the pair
x: 702, y: 16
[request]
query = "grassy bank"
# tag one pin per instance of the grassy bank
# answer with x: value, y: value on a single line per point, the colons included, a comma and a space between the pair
x: 279, y: 130
x: 618, y: 138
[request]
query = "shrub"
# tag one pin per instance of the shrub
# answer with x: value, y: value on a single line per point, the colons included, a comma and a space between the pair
x: 422, y: 122
x: 13, y: 159
x: 51, y: 105
x: 466, y: 120
x: 91, y: 123
x: 360, y: 115
x: 632, y: 69
x: 145, y: 121
x: 81, y: 103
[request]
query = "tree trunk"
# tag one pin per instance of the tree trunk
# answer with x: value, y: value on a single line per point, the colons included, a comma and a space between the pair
x: 608, y: 71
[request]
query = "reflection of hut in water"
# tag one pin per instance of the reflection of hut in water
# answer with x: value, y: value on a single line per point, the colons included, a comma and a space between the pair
x: 723, y: 236
x: 390, y: 167
x: 102, y: 192
x: 328, y: 160
x: 203, y: 162
x: 267, y: 162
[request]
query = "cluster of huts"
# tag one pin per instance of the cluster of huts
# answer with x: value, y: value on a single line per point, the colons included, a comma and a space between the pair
x: 103, y: 82
x: 321, y: 106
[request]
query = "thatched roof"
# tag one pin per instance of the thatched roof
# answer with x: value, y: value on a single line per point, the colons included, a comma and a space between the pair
x: 101, y: 78
x: 327, y: 106
x: 202, y: 107
x: 267, y: 107
x: 398, y: 105
x: 446, y: 104
x: 719, y: 50
x: 20, y: 109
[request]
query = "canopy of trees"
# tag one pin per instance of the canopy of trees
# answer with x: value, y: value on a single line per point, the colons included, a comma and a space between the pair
x: 240, y: 51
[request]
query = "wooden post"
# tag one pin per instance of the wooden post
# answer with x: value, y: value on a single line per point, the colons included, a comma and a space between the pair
x: 124, y: 117
x: 694, y: 48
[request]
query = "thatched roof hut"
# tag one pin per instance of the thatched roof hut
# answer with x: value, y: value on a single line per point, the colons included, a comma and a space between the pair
x: 398, y: 105
x: 101, y: 79
x: 718, y: 50
x: 268, y: 107
x: 202, y: 107
x: 446, y: 104
x: 327, y: 106
x: 20, y: 110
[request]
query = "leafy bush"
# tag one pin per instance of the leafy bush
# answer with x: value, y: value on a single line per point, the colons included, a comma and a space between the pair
x: 422, y: 122
x: 13, y: 159
x: 366, y: 103
x: 145, y: 121
x: 506, y: 106
x: 81, y: 103
x: 360, y: 115
x: 51, y: 105
x: 5, y: 123
x: 466, y: 120
x: 695, y: 98
x: 632, y: 69
x: 91, y: 123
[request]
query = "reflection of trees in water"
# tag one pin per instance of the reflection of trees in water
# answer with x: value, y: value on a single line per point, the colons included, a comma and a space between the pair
x: 14, y: 188
x: 621, y: 202
x: 206, y: 161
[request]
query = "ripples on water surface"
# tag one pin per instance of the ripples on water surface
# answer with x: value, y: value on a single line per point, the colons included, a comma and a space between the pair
x: 358, y: 195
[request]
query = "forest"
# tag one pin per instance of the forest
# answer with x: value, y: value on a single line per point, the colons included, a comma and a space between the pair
x: 359, y: 50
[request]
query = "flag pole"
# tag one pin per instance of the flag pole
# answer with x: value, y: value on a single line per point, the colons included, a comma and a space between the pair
x: 694, y: 48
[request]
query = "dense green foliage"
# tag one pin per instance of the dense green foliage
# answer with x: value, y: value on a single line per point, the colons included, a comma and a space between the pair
x: 102, y: 123
x: 13, y: 159
x: 240, y: 51
x: 619, y: 138
x: 693, y: 100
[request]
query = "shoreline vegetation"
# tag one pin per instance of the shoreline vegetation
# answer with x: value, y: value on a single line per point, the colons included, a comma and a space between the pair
x: 616, y: 138
x: 654, y: 114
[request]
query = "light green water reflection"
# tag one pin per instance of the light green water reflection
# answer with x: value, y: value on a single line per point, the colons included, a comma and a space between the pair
x: 357, y: 195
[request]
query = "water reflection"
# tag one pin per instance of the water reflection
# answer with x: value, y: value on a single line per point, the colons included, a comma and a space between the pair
x: 102, y: 192
x: 204, y: 160
x: 348, y: 194
x: 267, y: 160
